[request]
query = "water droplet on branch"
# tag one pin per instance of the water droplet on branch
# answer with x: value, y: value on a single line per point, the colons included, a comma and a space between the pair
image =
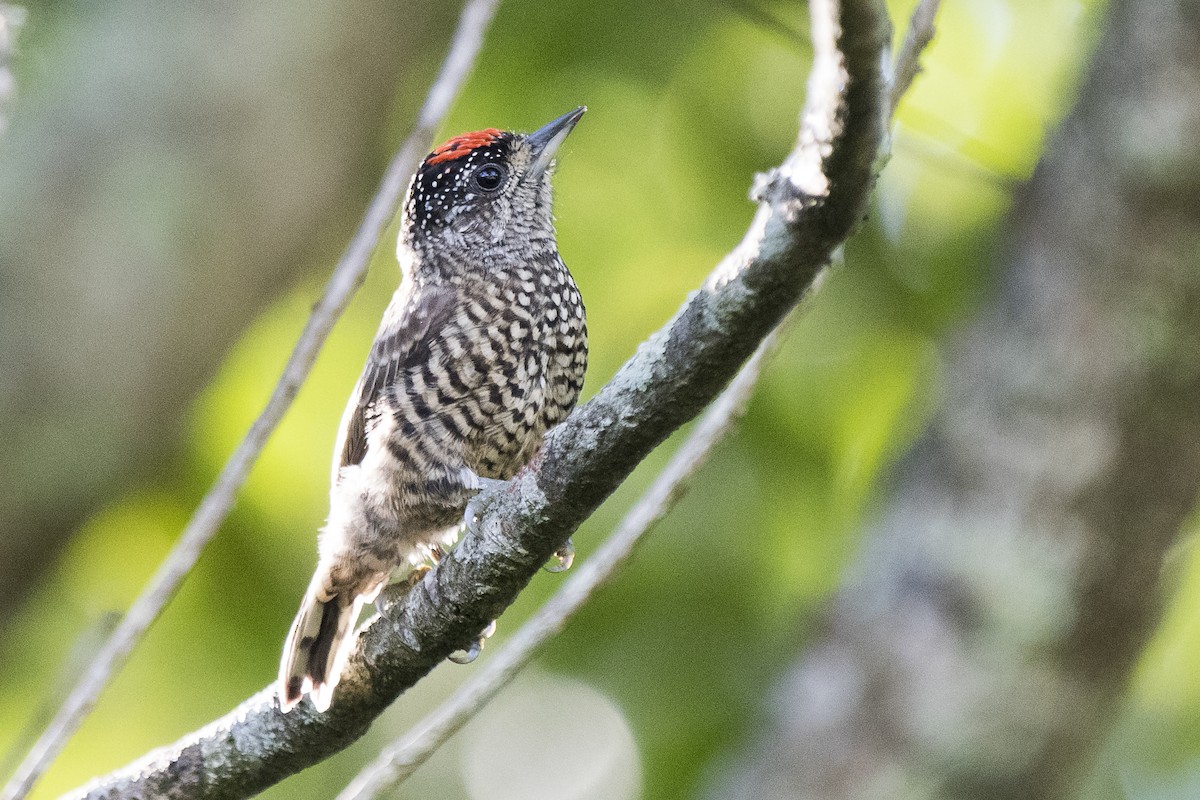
x: 467, y: 655
x: 562, y: 559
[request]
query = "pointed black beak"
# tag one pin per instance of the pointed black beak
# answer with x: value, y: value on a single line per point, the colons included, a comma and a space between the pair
x: 546, y: 140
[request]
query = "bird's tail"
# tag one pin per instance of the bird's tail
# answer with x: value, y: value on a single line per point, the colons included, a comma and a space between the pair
x: 317, y: 648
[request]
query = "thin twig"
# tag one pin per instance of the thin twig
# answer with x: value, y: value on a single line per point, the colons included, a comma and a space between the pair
x: 908, y: 60
x: 401, y: 759
x: 398, y: 761
x: 347, y: 276
x: 12, y: 18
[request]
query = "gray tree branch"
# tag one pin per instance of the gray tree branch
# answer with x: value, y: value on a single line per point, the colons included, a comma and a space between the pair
x: 402, y: 758
x: 807, y: 208
x: 11, y: 19
x: 917, y: 37
x: 981, y: 644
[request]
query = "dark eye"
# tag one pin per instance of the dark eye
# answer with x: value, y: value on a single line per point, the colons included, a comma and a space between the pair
x: 489, y: 177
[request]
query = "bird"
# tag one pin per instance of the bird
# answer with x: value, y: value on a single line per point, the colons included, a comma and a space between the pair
x: 481, y: 350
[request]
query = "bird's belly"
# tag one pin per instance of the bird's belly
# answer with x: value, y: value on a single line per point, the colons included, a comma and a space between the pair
x: 388, y: 514
x: 510, y: 438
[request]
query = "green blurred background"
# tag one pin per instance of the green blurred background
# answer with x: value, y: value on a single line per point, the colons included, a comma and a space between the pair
x: 688, y: 101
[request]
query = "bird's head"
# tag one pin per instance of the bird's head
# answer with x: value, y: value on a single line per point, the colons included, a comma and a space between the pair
x: 484, y: 196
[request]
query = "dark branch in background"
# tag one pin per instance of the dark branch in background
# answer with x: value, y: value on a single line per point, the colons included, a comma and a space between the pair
x: 215, y: 506
x: 983, y: 641
x: 807, y: 208
x: 11, y: 19
x: 908, y: 63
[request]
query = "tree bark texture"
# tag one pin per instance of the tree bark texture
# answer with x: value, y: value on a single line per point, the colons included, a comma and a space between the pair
x: 983, y: 638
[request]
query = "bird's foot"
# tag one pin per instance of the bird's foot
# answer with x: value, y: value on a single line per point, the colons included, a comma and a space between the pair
x: 475, y: 506
x: 395, y: 592
x: 413, y: 577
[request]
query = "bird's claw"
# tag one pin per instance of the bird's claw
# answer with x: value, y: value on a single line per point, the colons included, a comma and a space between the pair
x: 414, y: 576
x: 394, y: 593
x: 476, y: 506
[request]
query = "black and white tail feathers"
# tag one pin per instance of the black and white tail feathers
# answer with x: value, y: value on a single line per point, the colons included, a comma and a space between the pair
x: 317, y: 648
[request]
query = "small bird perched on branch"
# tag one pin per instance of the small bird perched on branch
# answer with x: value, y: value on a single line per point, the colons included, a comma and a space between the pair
x: 482, y: 349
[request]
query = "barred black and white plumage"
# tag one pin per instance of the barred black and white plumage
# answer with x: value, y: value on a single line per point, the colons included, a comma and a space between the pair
x: 482, y: 349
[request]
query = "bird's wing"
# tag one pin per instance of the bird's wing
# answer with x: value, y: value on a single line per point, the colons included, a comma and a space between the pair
x: 409, y: 325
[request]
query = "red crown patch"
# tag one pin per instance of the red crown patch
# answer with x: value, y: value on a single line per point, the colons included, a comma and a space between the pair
x: 463, y: 144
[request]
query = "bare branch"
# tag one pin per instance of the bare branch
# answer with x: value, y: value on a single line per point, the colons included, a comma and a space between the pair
x: 11, y: 19
x: 908, y: 61
x: 807, y: 208
x: 398, y: 761
x: 213, y: 509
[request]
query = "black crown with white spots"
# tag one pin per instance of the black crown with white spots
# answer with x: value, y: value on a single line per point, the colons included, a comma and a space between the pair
x: 470, y: 167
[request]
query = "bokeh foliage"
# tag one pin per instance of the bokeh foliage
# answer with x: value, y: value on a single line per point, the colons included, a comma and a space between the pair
x: 688, y: 100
